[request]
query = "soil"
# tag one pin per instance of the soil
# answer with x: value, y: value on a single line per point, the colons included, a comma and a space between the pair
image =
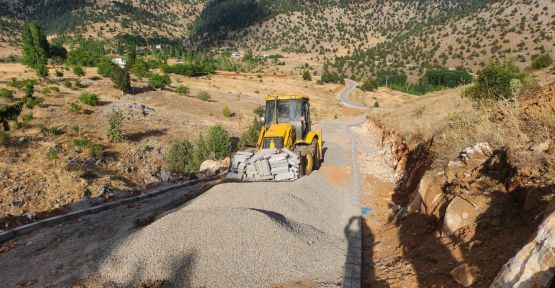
x: 154, y: 118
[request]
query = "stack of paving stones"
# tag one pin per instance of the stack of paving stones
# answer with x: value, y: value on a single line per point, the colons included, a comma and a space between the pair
x: 265, y: 165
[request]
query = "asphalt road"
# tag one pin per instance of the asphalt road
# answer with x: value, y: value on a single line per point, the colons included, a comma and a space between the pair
x: 343, y: 96
x: 233, y: 235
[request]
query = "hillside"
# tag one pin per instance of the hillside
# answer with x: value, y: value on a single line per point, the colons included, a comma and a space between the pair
x: 105, y: 19
x: 355, y: 37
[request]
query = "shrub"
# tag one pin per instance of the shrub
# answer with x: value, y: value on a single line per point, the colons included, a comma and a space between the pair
x: 95, y: 151
x: 250, y: 136
x: 76, y: 129
x: 49, y: 90
x: 182, y: 89
x: 54, y: 131
x: 81, y: 142
x: 179, y: 158
x: 369, y: 85
x: 68, y: 84
x: 156, y: 81
x: 74, y: 107
x: 219, y: 141
x: 59, y: 73
x: 23, y: 84
x: 226, y: 112
x: 88, y: 98
x: 114, y: 129
x: 376, y: 104
x: 5, y: 93
x: 78, y: 70
x: 34, y: 101
x: 201, y: 151
x: 494, y: 81
x: 541, y: 61
x: 204, y: 96
x: 307, y: 76
x: 27, y: 117
x: 52, y: 153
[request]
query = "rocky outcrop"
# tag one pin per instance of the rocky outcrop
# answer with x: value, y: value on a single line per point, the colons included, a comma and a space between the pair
x: 533, y: 265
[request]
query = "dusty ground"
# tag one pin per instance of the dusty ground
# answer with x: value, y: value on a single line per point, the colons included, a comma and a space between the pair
x: 154, y: 119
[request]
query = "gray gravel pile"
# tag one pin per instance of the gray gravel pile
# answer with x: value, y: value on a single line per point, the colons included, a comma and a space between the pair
x: 242, y: 235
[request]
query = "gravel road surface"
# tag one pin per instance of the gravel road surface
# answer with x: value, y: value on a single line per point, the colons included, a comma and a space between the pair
x: 233, y: 235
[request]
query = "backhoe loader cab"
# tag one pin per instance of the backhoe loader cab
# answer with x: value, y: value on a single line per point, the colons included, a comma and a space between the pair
x: 287, y: 148
x: 292, y: 110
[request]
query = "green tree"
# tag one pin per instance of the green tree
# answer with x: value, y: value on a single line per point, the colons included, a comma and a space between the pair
x: 105, y: 66
x: 201, y: 152
x: 35, y: 48
x: 157, y: 81
x: 179, y: 158
x: 219, y: 141
x: 307, y: 76
x: 121, y: 79
x: 494, y: 81
x: 88, y: 98
x: 369, y: 85
x: 541, y: 61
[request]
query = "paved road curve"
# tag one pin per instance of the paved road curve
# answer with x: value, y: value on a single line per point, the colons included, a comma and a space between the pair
x: 343, y: 96
x: 234, y: 235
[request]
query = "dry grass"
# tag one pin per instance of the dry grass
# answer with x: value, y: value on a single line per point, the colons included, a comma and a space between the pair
x: 456, y: 122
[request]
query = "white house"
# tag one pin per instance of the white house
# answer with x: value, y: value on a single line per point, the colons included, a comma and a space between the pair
x: 118, y: 60
x: 236, y: 54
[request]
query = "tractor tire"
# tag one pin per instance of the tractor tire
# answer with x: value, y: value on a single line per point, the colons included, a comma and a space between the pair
x: 302, y: 165
x: 316, y: 155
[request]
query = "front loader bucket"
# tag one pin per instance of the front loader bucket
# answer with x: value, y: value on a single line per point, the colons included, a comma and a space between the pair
x: 264, y: 165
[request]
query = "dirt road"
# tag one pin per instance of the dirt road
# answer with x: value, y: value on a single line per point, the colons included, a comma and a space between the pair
x: 233, y: 235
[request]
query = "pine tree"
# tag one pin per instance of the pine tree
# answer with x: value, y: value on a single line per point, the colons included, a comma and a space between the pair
x: 35, y: 48
x: 120, y: 78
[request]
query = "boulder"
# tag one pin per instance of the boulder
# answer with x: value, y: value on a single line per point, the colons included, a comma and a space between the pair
x: 463, y: 211
x: 465, y: 274
x: 533, y: 265
x: 430, y: 193
x: 212, y: 167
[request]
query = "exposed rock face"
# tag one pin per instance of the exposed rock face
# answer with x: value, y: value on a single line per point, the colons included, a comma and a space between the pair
x: 533, y: 264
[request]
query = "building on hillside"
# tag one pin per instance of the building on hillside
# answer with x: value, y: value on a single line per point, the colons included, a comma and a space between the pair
x: 118, y: 60
x: 236, y: 54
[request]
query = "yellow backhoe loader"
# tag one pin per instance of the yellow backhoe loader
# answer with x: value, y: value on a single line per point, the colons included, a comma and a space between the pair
x: 287, y: 148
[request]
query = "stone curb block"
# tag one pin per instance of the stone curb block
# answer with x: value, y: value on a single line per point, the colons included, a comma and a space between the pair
x: 5, y: 236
